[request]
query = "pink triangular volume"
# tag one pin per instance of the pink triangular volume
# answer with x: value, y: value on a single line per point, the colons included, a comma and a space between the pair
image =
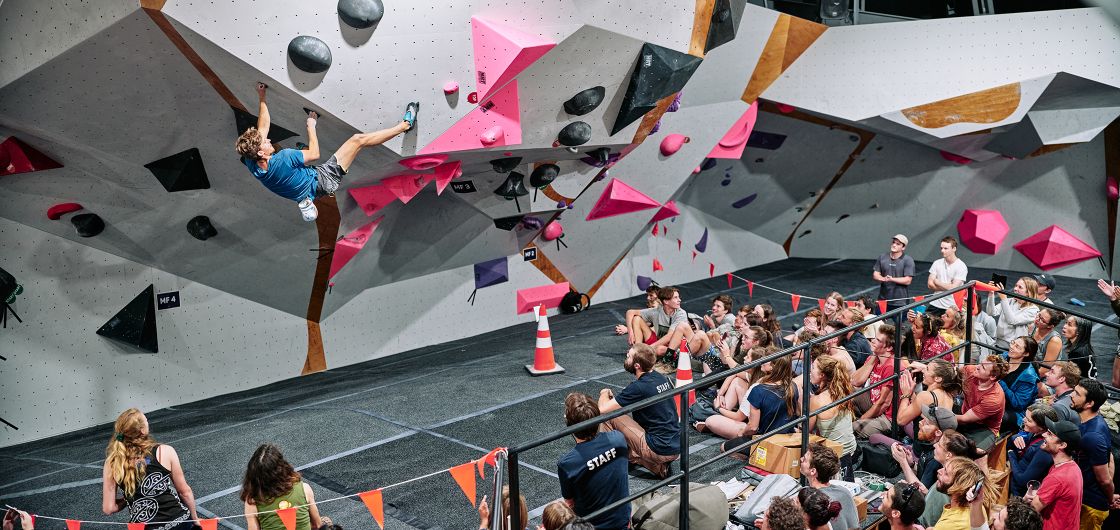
x: 619, y: 198
x: 372, y: 198
x: 445, y: 173
x: 406, y: 186
x: 350, y: 244
x: 1053, y: 247
x: 546, y: 295
x: 501, y: 52
x: 502, y: 112
x: 668, y: 210
x: 733, y: 143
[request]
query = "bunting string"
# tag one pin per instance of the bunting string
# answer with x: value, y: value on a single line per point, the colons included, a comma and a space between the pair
x: 775, y: 289
x: 74, y: 524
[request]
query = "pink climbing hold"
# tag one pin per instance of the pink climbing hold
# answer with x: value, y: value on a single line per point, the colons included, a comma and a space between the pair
x: 404, y: 187
x: 735, y: 140
x: 1112, y: 189
x: 350, y: 244
x: 982, y: 231
x: 499, y: 118
x: 553, y: 231
x: 501, y: 52
x: 56, y: 212
x: 445, y: 173
x: 1053, y: 247
x: 450, y: 87
x: 673, y: 143
x: 546, y: 295
x: 372, y: 198
x: 491, y: 135
x: 423, y: 163
x: 785, y: 109
x: 668, y: 210
x: 619, y: 198
x: 955, y: 158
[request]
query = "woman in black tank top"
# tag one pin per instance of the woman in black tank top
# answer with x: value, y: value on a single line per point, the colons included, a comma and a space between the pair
x: 149, y: 476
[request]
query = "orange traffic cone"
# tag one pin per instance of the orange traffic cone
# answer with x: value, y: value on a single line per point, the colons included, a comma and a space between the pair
x: 544, y: 361
x: 684, y: 374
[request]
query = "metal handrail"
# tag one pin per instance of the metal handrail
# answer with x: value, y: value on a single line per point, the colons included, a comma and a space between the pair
x: 803, y: 418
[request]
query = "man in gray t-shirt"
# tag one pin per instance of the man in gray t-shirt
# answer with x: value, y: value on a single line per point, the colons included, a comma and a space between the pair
x: 894, y: 271
x: 664, y: 327
x: 820, y: 464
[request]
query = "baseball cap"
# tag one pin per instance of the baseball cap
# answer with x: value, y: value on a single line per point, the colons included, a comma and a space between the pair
x: 1045, y: 279
x: 1066, y: 432
x: 942, y: 417
x: 901, y: 239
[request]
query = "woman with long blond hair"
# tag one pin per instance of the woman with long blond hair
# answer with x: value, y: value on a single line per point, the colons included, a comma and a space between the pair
x: 836, y: 424
x: 148, y: 474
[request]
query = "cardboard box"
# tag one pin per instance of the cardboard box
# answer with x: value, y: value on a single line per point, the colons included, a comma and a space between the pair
x: 861, y: 507
x: 781, y: 453
x: 1001, y: 479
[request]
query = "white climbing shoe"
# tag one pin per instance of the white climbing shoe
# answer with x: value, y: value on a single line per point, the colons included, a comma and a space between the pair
x: 308, y: 209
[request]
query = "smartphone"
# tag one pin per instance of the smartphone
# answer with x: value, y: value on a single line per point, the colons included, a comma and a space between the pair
x: 1032, y: 488
x: 999, y: 279
x: 975, y: 490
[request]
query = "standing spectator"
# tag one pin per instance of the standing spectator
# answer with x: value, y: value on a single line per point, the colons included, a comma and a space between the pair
x: 1020, y: 384
x: 880, y: 366
x: 1078, y: 347
x: 151, y: 480
x: 1017, y: 515
x: 593, y: 473
x: 819, y: 510
x: 1044, y: 331
x: 902, y: 505
x: 1013, y: 315
x: 819, y: 465
x: 1046, y: 285
x: 1093, y: 456
x: 1027, y: 459
x: 1112, y: 291
x: 834, y: 424
x: 946, y: 273
x: 1059, y: 498
x: 720, y: 318
x: 271, y: 484
x: 984, y: 401
x: 894, y: 271
x: 653, y: 433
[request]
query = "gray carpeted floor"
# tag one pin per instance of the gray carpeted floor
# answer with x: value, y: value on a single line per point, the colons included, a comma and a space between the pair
x: 378, y: 423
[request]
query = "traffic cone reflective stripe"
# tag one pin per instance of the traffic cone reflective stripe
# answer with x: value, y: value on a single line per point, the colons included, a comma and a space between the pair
x: 544, y: 359
x: 684, y: 374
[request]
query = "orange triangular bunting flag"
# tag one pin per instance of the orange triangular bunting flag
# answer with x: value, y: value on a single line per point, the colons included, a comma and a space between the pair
x: 657, y: 265
x: 919, y: 298
x: 850, y: 303
x: 464, y: 477
x: 73, y: 525
x: 958, y: 297
x: 490, y: 458
x: 795, y: 299
x: 208, y: 524
x: 820, y: 302
x: 288, y: 517
x: 750, y: 289
x: 729, y: 280
x: 373, y: 502
x: 135, y: 526
x: 711, y: 270
x: 981, y: 286
x: 882, y: 306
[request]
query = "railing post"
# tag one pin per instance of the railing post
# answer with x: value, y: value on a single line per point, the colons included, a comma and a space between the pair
x: 514, y: 494
x: 896, y: 388
x: 682, y: 523
x: 496, y: 513
x: 806, y: 367
x: 969, y: 301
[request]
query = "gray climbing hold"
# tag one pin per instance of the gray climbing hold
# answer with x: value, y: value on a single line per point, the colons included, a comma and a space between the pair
x: 200, y: 228
x: 360, y: 14
x: 575, y: 133
x: 309, y: 54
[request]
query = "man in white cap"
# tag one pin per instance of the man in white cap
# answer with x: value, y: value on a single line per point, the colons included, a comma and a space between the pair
x: 894, y: 271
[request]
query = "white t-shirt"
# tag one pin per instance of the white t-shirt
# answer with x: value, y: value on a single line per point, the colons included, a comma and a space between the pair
x: 946, y: 273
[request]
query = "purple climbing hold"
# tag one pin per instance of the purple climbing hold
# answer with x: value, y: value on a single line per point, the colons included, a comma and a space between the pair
x: 644, y: 282
x: 702, y: 245
x: 531, y: 222
x: 656, y: 127
x: 744, y: 201
x: 676, y: 104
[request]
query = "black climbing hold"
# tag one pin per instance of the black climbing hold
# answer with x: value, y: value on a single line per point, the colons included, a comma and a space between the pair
x: 245, y: 120
x: 543, y: 175
x: 136, y: 323
x: 575, y: 133
x: 88, y: 224
x: 505, y: 165
x: 200, y: 228
x: 765, y: 140
x: 709, y: 163
x: 600, y: 155
x: 309, y: 54
x: 842, y: 217
x: 513, y: 187
x: 8, y: 286
x: 360, y: 14
x: 508, y: 223
x: 724, y: 23
x: 805, y: 233
x: 660, y: 72
x: 181, y: 171
x: 585, y: 101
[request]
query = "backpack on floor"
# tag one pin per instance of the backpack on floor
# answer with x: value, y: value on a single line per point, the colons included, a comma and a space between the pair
x: 707, y: 510
x: 573, y: 302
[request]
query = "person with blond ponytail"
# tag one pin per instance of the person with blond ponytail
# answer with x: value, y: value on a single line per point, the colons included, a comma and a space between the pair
x: 149, y: 476
x: 831, y: 379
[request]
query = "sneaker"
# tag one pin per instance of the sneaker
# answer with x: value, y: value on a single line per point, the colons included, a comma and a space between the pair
x: 308, y: 209
x: 410, y: 113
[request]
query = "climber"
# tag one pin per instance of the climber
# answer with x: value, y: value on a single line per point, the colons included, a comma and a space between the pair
x: 286, y: 172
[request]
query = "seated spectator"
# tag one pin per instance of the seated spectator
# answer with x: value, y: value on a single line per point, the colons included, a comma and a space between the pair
x: 18, y: 519
x: 771, y: 325
x: 1078, y: 346
x: 967, y: 507
x: 272, y: 483
x: 833, y: 303
x: 1017, y: 515
x: 783, y: 514
x: 664, y: 327
x: 984, y: 401
x: 773, y: 403
x: 653, y: 433
x: 133, y: 457
x: 484, y: 511
x: 1112, y: 292
x: 835, y: 424
x: 923, y: 341
x: 1020, y: 384
x: 878, y: 367
x: 593, y: 474
x: 950, y: 444
x: 1027, y: 459
x: 556, y: 514
x: 1092, y: 453
x: 651, y: 302
x: 819, y: 465
x: 834, y: 349
x: 818, y: 510
x: 854, y: 341
x: 1044, y: 331
x: 1045, y: 286
x: 942, y: 383
x: 902, y: 505
x: 720, y: 318
x: 813, y: 321
x: 952, y: 327
x: 734, y: 387
x: 983, y: 332
x: 734, y: 410
x: 1062, y: 377
x: 1058, y: 500
x: 1012, y: 314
